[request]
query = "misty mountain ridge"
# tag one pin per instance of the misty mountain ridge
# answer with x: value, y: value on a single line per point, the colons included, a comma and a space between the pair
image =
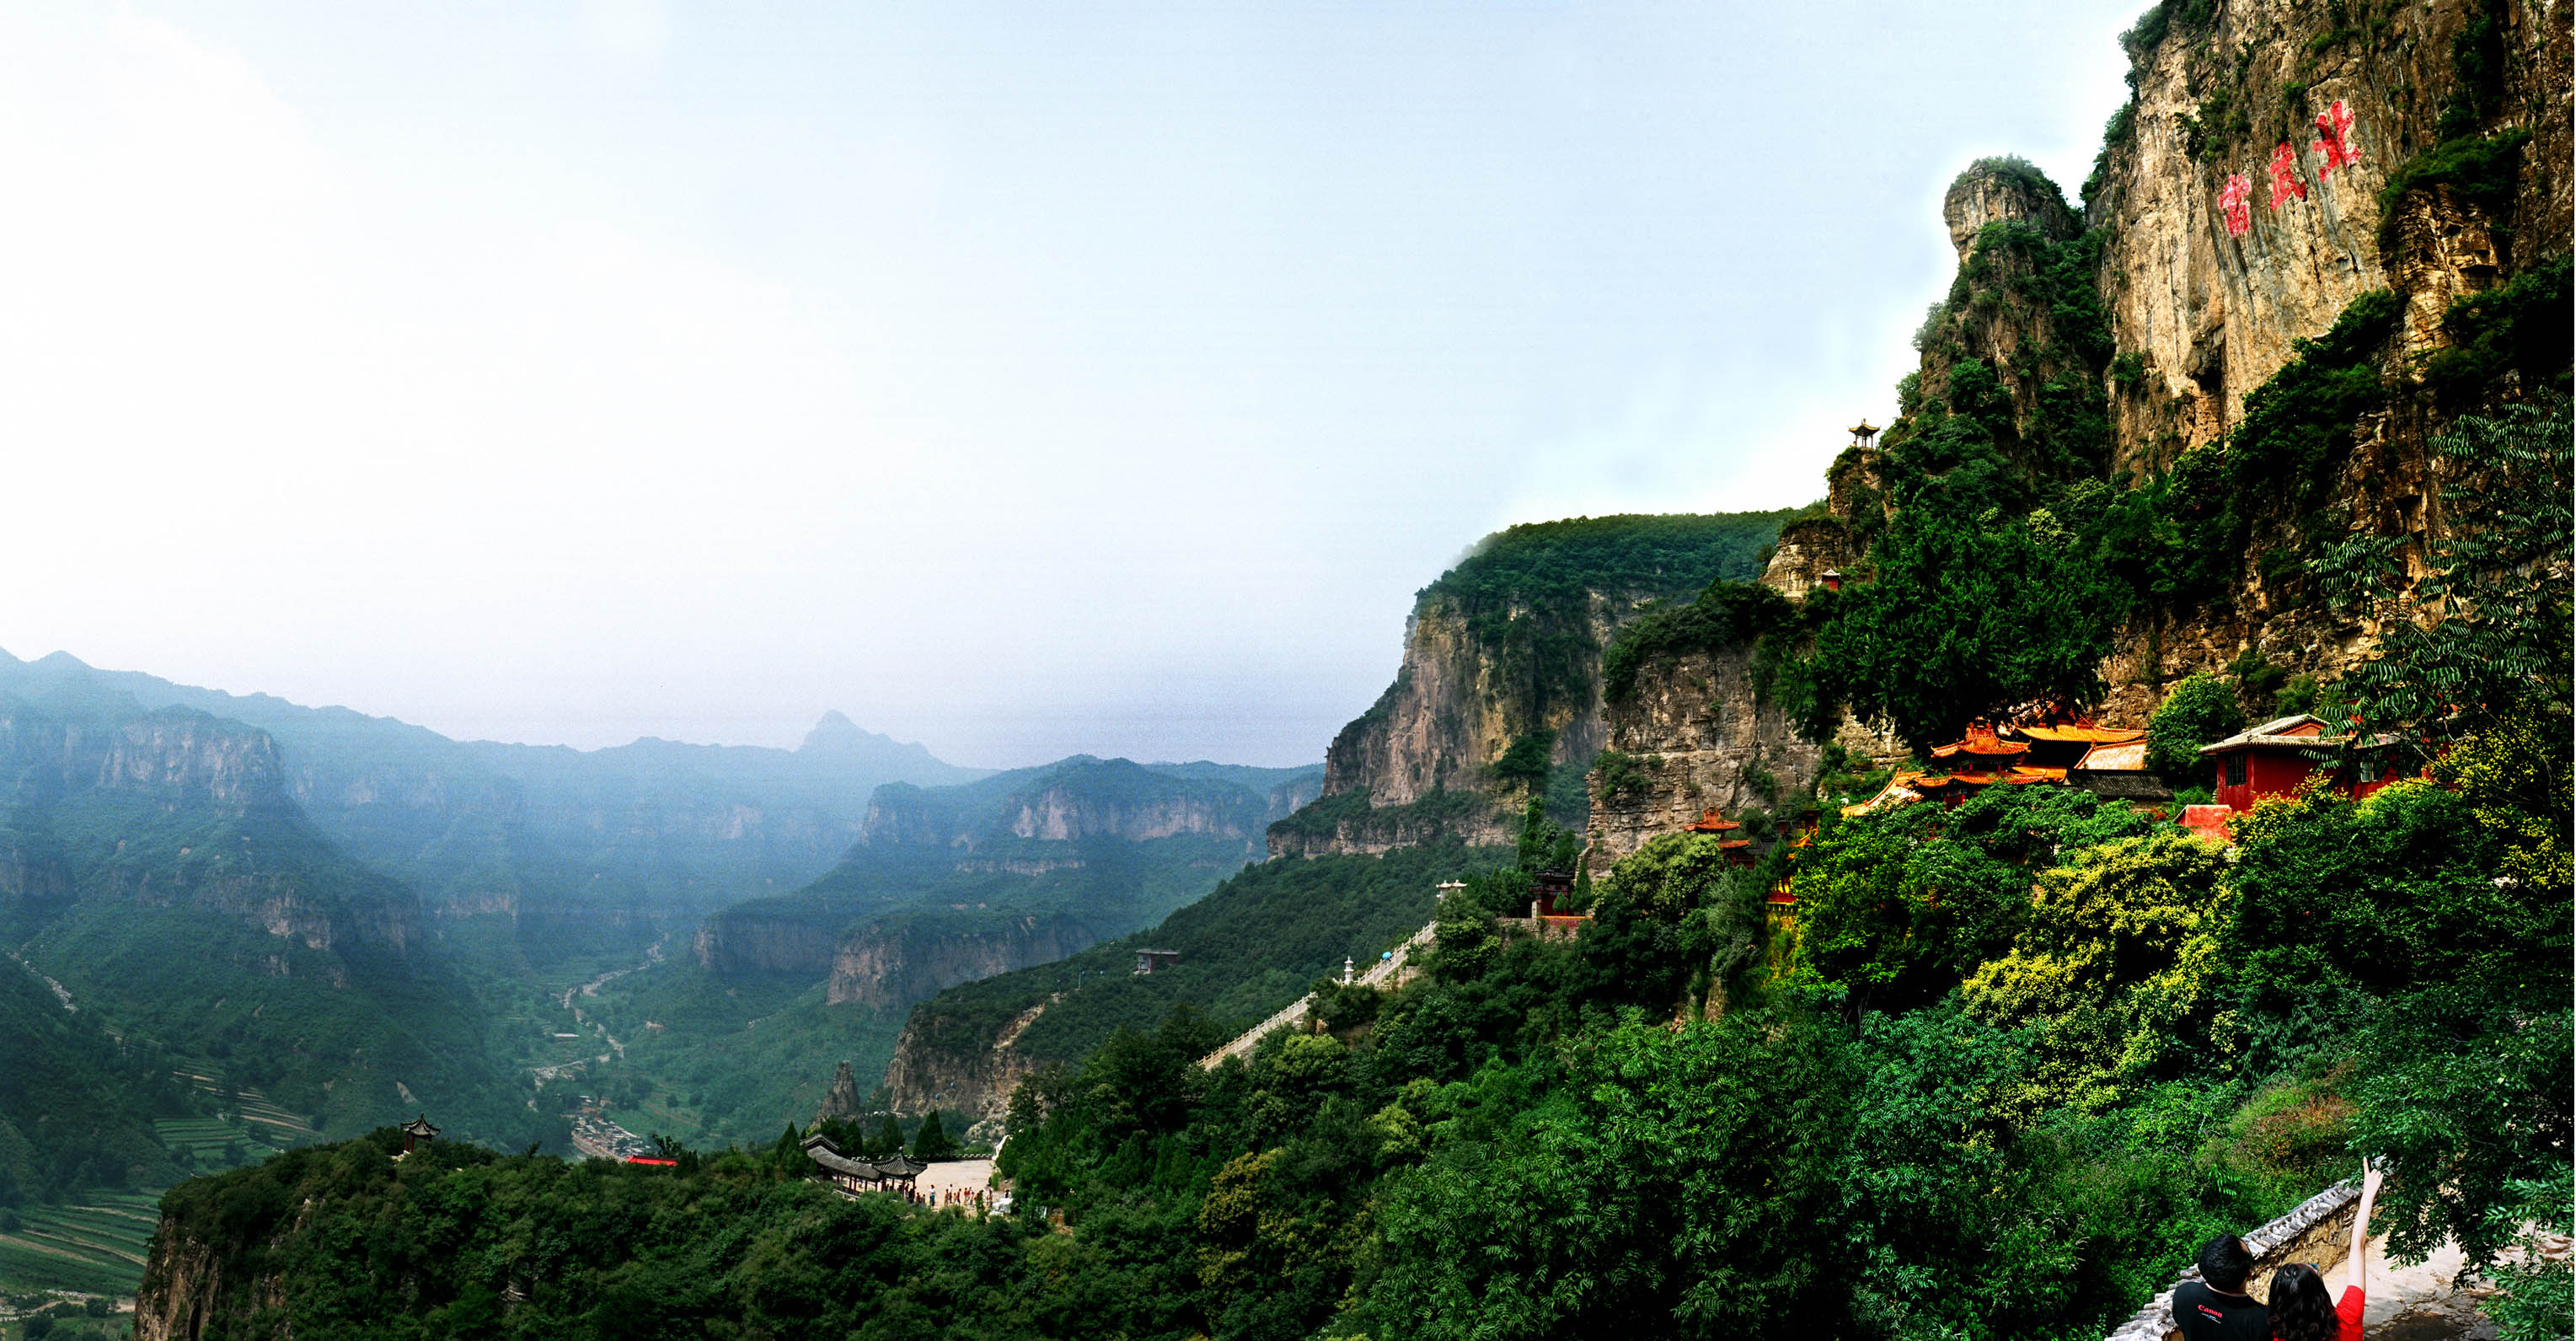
x: 834, y: 735
x: 597, y: 842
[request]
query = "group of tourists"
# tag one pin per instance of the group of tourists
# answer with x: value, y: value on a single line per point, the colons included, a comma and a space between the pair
x: 2217, y: 1307
x: 974, y: 1201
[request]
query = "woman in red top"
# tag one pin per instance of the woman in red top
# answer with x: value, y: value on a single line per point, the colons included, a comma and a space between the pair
x: 2300, y: 1309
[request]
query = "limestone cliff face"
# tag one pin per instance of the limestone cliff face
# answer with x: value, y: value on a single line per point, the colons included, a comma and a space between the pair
x: 733, y: 944
x: 1699, y: 737
x: 2232, y: 224
x: 2207, y: 307
x: 181, y: 1280
x: 974, y: 1076
x: 888, y: 967
x: 1805, y: 552
x: 2204, y: 308
x: 236, y: 842
x: 1456, y: 705
x: 1497, y: 696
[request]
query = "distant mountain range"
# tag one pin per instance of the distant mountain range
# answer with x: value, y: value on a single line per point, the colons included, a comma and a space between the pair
x: 945, y: 885
x: 349, y: 918
x: 635, y: 833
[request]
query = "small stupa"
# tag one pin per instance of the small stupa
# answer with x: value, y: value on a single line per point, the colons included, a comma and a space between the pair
x: 841, y: 1102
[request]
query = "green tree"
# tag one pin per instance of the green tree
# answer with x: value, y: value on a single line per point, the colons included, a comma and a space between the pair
x: 2201, y: 708
x: 932, y: 1141
x: 2119, y: 958
x: 1679, y: 1184
x: 2464, y: 1090
x: 2477, y: 635
x: 2382, y: 895
x: 1964, y: 616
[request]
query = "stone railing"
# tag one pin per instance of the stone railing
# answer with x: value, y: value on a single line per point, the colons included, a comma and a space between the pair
x: 1387, y: 973
x: 2318, y: 1232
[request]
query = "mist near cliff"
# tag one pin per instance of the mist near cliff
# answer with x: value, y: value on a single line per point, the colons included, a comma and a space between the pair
x: 1020, y: 379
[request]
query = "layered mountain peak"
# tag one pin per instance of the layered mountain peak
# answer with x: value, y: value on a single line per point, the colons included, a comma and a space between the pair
x: 2004, y: 190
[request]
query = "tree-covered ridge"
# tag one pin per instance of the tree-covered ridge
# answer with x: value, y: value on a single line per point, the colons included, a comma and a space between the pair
x: 76, y: 1104
x: 1536, y: 562
x: 2013, y: 1062
x: 194, y: 914
x: 1253, y: 945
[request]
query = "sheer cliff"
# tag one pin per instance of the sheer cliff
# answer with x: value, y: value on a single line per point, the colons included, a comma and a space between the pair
x: 2316, y: 232
x: 163, y: 875
x: 1498, y: 695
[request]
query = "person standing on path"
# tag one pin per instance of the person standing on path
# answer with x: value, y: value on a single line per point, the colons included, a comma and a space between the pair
x: 2216, y: 1307
x: 2300, y: 1311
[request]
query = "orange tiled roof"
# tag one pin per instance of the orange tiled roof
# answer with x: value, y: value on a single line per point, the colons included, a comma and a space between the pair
x: 2084, y: 734
x: 2116, y: 757
x: 1986, y: 748
x: 1712, y: 822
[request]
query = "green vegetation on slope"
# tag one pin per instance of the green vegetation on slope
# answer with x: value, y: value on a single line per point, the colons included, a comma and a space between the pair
x: 1253, y: 945
x: 76, y: 1104
x: 1513, y: 1146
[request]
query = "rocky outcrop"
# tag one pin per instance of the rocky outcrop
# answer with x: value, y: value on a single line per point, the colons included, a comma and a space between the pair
x: 1456, y: 705
x: 2208, y: 285
x: 1498, y: 694
x: 1805, y: 552
x: 841, y: 1102
x: 754, y: 939
x: 932, y: 1071
x: 1696, y: 736
x: 182, y: 1279
x: 1990, y: 194
x: 890, y: 966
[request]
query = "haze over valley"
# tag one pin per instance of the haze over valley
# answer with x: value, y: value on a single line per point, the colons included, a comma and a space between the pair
x: 1502, y: 672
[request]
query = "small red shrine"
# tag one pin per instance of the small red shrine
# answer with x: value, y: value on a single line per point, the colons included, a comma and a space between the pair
x: 1545, y: 889
x: 2276, y: 758
x: 1739, y: 851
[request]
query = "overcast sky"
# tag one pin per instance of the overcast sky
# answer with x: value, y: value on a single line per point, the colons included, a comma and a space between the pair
x: 1018, y: 378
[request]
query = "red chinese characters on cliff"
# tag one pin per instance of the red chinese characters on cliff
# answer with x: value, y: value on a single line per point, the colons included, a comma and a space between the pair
x: 2336, y: 149
x: 2235, y: 203
x: 2285, y: 174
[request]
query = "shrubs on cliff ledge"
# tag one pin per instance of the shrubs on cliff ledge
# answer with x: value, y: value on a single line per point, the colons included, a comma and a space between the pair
x: 2201, y: 708
x: 1727, y: 616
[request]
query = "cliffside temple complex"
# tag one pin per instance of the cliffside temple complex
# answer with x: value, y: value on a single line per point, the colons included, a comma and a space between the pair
x: 2108, y: 761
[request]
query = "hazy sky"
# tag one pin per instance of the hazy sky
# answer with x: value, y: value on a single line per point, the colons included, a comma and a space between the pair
x: 1021, y: 379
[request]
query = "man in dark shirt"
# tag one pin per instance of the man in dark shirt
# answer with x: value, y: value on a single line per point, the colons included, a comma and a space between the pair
x: 2216, y: 1307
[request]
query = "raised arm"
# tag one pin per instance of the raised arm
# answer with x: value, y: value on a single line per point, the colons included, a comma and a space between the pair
x: 2361, y: 1228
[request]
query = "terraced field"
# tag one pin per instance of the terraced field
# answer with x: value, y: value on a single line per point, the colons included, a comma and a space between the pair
x: 210, y: 1145
x: 96, y: 1245
x: 279, y: 1127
